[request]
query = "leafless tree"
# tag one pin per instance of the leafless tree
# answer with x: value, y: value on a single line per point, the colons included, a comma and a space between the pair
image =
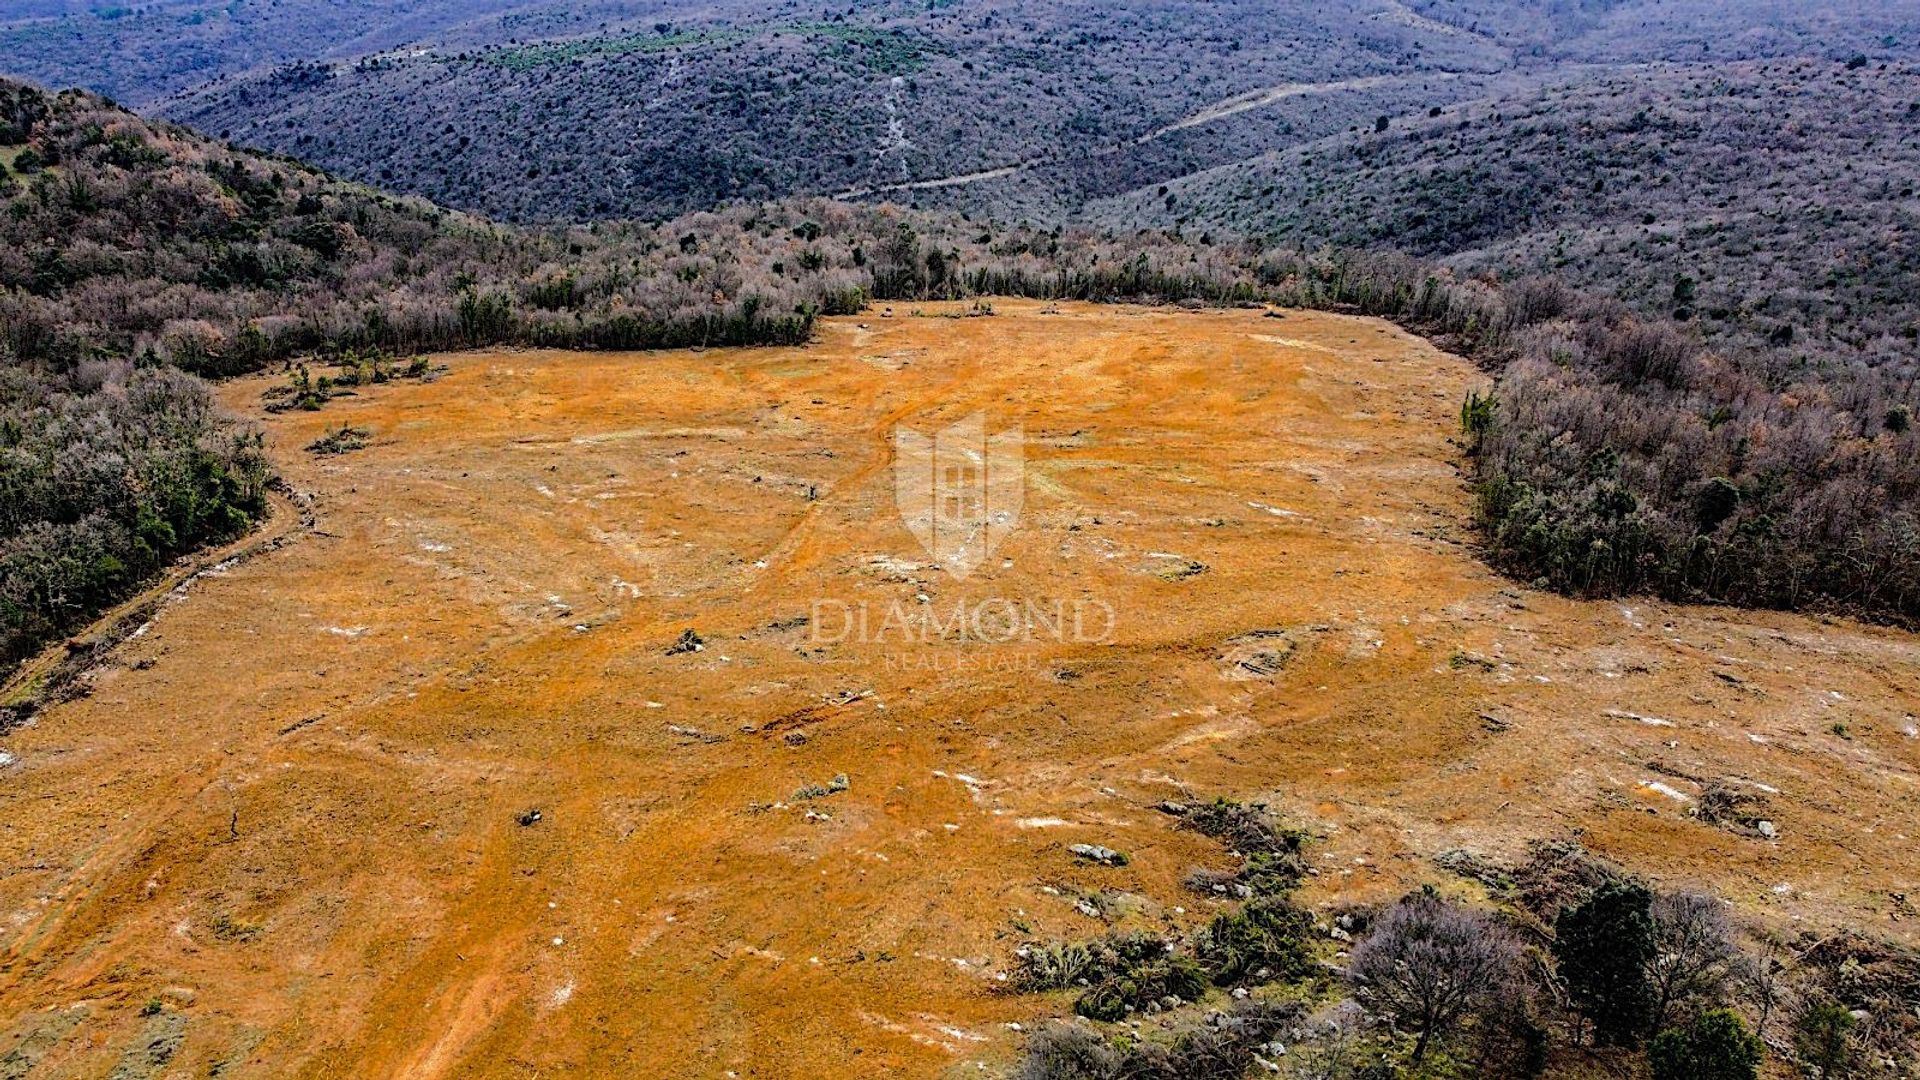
x: 1429, y: 963
x: 1758, y: 975
x: 1694, y: 955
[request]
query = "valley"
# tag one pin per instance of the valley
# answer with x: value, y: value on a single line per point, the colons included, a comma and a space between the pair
x: 441, y: 786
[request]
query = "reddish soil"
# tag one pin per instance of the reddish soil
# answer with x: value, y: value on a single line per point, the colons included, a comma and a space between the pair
x: 282, y: 836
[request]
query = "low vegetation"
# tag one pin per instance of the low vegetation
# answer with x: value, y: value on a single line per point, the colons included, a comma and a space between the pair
x: 1564, y: 957
x: 1223, y: 1048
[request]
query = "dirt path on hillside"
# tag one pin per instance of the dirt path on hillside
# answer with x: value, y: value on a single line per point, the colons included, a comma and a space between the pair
x: 1219, y: 110
x: 431, y: 793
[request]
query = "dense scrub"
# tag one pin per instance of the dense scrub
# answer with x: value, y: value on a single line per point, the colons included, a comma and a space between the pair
x: 1555, y: 965
x: 122, y: 238
x: 107, y: 472
x: 1622, y: 456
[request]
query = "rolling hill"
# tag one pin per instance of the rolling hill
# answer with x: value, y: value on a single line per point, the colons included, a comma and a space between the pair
x: 650, y: 120
x: 1771, y: 204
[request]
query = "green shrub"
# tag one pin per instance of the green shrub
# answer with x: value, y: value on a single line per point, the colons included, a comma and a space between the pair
x: 1053, y: 966
x: 1823, y: 1036
x: 1716, y: 1045
x: 1142, y: 985
x: 1267, y: 939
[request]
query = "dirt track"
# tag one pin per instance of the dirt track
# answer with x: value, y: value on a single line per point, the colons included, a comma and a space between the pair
x: 289, y: 815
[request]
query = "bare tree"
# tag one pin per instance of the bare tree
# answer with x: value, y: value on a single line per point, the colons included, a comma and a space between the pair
x: 1759, y: 976
x: 1429, y: 963
x: 1694, y: 954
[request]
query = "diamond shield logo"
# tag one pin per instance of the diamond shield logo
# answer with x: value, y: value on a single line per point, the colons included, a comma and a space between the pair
x: 959, y: 491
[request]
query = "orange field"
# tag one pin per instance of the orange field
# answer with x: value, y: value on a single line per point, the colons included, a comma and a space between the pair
x: 291, y: 831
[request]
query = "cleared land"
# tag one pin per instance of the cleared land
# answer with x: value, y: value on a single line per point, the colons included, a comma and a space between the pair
x: 284, y: 831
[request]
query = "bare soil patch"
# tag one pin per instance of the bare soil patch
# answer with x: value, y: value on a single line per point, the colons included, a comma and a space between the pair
x: 435, y: 791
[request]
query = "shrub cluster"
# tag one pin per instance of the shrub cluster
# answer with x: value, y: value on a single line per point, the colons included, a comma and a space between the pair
x: 1572, y: 953
x: 107, y: 472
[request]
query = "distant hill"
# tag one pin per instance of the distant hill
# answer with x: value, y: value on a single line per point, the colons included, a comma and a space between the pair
x: 651, y: 119
x: 1772, y: 204
x: 1009, y: 111
x: 139, y: 52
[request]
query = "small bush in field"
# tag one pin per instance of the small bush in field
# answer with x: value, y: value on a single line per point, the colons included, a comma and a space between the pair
x: 1266, y: 939
x: 1715, y: 1045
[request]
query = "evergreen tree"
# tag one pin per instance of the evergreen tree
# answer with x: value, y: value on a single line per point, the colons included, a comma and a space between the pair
x: 1602, y: 948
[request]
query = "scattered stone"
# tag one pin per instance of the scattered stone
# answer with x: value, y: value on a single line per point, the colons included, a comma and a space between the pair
x: 1181, y: 570
x: 1767, y: 829
x: 1173, y: 808
x: 1105, y: 856
x: 795, y: 738
x: 689, y: 642
x: 530, y: 818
